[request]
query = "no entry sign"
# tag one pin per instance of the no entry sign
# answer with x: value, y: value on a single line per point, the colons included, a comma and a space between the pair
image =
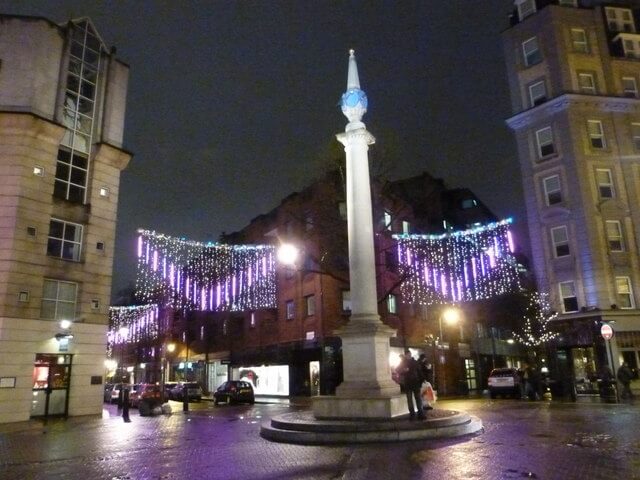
x: 606, y: 331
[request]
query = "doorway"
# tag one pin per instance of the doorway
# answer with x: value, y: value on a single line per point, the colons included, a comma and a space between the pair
x: 51, y: 379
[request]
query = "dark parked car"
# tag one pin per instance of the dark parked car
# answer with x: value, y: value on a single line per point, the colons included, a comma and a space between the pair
x: 194, y: 392
x: 234, y: 391
x: 505, y: 381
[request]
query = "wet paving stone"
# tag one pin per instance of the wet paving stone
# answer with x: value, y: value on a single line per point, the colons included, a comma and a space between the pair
x: 520, y: 440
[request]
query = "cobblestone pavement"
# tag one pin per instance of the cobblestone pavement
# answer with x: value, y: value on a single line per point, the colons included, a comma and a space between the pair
x: 521, y: 440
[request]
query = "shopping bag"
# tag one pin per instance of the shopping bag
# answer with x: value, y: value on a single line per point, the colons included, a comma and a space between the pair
x: 428, y: 393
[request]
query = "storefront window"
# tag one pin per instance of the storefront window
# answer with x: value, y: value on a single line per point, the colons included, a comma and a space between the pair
x: 266, y: 380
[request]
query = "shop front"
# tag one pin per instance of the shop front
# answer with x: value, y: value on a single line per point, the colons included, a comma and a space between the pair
x: 51, y: 380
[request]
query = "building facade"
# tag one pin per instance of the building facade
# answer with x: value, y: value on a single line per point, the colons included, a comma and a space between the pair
x: 62, y: 107
x: 292, y: 349
x: 574, y: 71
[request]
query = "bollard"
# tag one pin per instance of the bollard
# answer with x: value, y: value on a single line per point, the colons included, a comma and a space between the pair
x: 185, y: 398
x: 125, y: 406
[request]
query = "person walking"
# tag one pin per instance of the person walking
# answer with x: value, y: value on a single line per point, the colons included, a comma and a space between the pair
x: 427, y: 380
x: 411, y: 376
x: 625, y: 375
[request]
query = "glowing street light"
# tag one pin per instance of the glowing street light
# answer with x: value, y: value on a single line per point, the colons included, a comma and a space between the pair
x: 451, y: 316
x: 65, y: 324
x: 288, y: 254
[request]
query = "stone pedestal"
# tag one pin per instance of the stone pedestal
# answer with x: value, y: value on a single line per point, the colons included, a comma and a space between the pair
x: 367, y: 390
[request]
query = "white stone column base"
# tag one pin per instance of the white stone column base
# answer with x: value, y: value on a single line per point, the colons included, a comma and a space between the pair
x: 388, y: 407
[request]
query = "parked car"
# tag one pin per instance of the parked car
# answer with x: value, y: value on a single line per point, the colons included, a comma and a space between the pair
x: 505, y: 381
x: 145, y: 392
x: 168, y: 387
x: 194, y: 392
x: 234, y: 391
x: 112, y: 391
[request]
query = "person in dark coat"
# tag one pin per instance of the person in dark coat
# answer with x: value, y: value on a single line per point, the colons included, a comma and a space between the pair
x: 625, y: 375
x: 427, y: 376
x: 411, y: 375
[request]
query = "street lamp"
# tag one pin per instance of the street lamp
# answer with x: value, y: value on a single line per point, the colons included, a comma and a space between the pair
x: 123, y: 331
x: 288, y: 254
x: 451, y: 317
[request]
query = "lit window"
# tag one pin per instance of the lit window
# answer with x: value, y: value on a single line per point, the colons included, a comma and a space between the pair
x: 579, y: 40
x: 346, y: 300
x: 311, y: 305
x: 406, y: 227
x: 544, y: 139
x: 635, y: 132
x: 290, y: 310
x: 624, y: 292
x: 605, y: 183
x: 59, y: 300
x: 391, y: 303
x: 252, y: 322
x: 587, y: 83
x: 531, y: 52
x: 619, y: 19
x: 568, y: 296
x: 386, y: 218
x: 225, y: 327
x: 65, y: 240
x: 560, y: 240
x: 596, y: 134
x: 629, y: 87
x: 526, y: 8
x: 104, y: 192
x: 614, y: 236
x: 537, y: 93
x: 552, y: 190
x: 201, y: 332
x: 469, y: 203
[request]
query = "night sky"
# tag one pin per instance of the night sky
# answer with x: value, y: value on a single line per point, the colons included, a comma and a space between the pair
x: 232, y: 106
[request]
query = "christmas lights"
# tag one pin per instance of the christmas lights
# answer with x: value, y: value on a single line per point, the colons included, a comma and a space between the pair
x: 205, y: 276
x: 535, y: 328
x: 136, y: 324
x: 459, y: 266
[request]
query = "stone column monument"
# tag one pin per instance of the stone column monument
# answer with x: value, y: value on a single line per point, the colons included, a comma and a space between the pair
x: 367, y: 390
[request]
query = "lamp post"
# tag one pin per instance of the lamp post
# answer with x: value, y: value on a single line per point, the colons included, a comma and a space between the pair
x: 451, y: 317
x: 123, y: 332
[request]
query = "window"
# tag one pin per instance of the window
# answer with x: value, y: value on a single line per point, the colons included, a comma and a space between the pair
x: 605, y: 183
x: 59, y: 300
x: 311, y: 305
x: 290, y: 310
x: 586, y: 83
x: 468, y: 203
x: 544, y: 139
x: 635, y: 132
x: 630, y: 45
x: 624, y: 293
x: 386, y: 219
x: 252, y: 321
x: 567, y: 3
x: 526, y: 8
x: 346, y: 300
x: 225, y: 328
x: 531, y: 52
x: 568, y: 296
x: 614, y: 236
x: 71, y: 175
x: 596, y: 134
x: 579, y: 40
x: 537, y: 93
x: 406, y: 227
x: 391, y: 303
x: 308, y: 221
x: 65, y: 240
x: 619, y: 19
x: 629, y: 87
x: 560, y: 241
x: 552, y: 190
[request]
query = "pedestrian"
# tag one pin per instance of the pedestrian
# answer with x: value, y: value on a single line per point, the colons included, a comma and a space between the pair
x: 411, y: 377
x: 625, y: 375
x: 531, y: 382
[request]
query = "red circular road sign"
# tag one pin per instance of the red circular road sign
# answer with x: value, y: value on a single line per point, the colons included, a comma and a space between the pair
x: 606, y: 331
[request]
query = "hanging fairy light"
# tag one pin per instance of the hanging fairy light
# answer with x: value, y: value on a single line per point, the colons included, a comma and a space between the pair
x: 205, y: 276
x: 461, y: 266
x: 132, y: 325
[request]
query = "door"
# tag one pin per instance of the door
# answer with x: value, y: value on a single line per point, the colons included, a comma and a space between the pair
x: 314, y: 378
x: 51, y: 379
